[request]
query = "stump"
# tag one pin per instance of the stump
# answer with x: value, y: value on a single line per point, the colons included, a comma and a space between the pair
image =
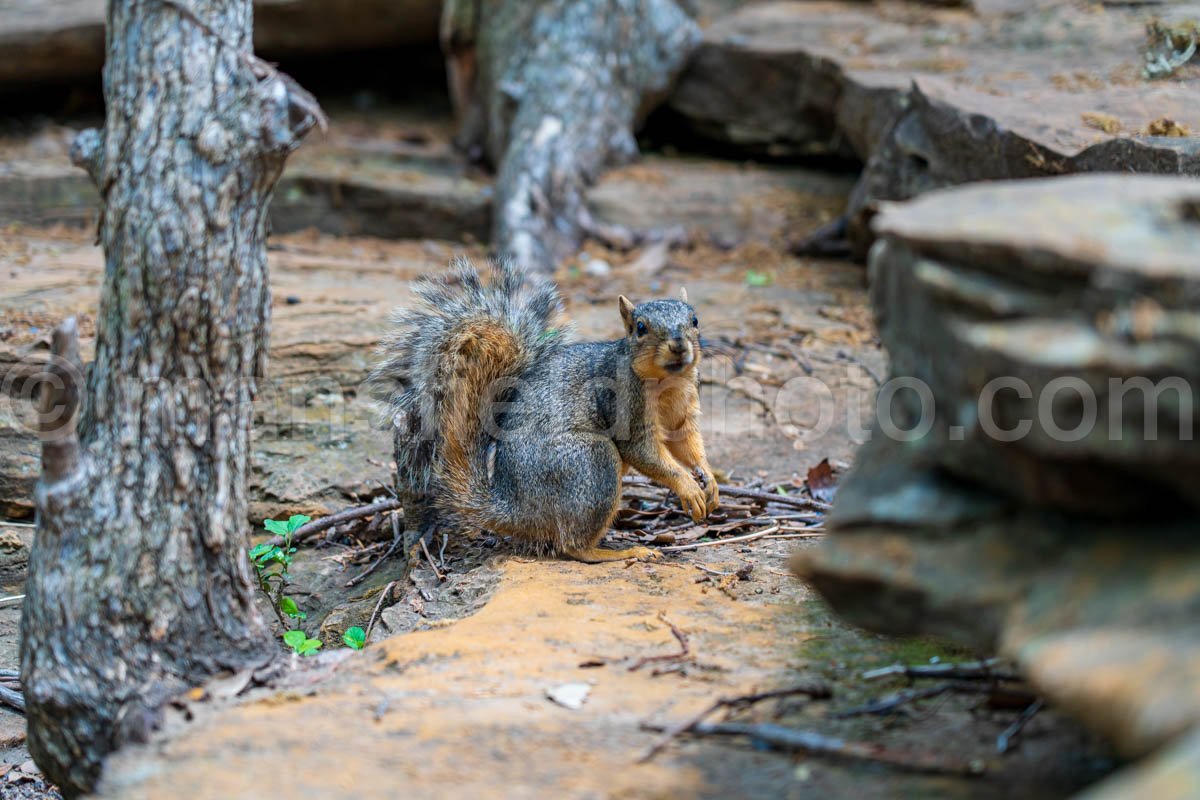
x: 549, y: 91
x: 138, y: 581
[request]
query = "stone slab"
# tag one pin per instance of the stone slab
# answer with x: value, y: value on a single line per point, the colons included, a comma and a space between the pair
x: 929, y: 97
x: 63, y: 40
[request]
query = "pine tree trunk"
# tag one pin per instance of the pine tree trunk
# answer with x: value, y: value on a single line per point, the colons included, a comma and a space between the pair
x: 550, y: 92
x: 138, y: 581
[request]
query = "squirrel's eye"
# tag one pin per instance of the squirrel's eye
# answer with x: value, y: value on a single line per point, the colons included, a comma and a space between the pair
x: 695, y: 322
x: 641, y: 329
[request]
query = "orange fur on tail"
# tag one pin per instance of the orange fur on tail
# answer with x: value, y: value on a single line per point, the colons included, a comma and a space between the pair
x: 477, y: 355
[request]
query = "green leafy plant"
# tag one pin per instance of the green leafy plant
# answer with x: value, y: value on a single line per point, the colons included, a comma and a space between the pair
x: 355, y: 638
x: 300, y: 643
x: 271, y: 562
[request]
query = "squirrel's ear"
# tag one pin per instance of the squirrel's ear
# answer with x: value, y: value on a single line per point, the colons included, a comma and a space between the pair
x: 626, y: 311
x: 683, y: 294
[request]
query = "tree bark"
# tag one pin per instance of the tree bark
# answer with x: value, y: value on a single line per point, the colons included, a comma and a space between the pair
x: 549, y: 91
x: 138, y: 581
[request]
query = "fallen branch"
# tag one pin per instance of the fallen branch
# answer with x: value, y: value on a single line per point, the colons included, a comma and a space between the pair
x: 429, y: 557
x: 375, y: 614
x: 684, y: 653
x: 817, y: 691
x: 749, y: 537
x: 769, y: 497
x: 12, y: 698
x: 1004, y: 741
x: 801, y: 741
x: 892, y: 702
x: 750, y: 494
x: 311, y: 529
x: 397, y: 540
x: 815, y: 532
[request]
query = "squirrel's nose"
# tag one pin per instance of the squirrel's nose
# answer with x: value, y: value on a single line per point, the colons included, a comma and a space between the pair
x: 677, y: 346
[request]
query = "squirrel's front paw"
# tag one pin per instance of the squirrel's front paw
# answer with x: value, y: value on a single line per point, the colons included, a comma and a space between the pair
x: 694, y: 501
x: 712, y: 495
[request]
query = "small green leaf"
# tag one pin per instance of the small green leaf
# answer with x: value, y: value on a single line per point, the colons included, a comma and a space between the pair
x: 355, y: 638
x: 780, y: 490
x: 309, y: 646
x: 276, y: 527
x: 266, y: 557
x: 754, y: 278
x: 288, y: 606
x: 295, y: 521
x: 295, y: 639
x: 259, y: 549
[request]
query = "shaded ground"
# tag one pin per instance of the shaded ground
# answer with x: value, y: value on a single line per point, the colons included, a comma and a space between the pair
x: 444, y: 706
x: 461, y: 709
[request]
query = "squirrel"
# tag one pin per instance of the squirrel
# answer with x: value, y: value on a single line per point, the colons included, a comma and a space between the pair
x: 502, y: 424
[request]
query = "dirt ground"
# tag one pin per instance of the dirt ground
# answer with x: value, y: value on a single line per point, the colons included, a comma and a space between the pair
x: 452, y: 697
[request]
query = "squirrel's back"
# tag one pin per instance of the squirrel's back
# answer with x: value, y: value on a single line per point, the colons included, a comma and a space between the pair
x: 440, y: 363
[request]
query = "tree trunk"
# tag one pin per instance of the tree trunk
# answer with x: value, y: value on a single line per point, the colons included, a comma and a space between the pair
x: 550, y: 92
x: 138, y: 581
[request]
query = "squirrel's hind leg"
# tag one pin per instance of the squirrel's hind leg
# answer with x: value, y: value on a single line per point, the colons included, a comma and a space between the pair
x: 588, y: 469
x: 593, y: 553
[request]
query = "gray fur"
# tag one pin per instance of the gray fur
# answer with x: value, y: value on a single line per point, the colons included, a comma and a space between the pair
x: 550, y: 456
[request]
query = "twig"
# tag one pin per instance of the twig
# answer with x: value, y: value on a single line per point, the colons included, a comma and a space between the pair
x: 778, y: 499
x: 731, y: 540
x: 685, y: 651
x: 795, y: 740
x: 1004, y: 741
x: 11, y: 600
x: 441, y: 576
x: 893, y: 701
x: 12, y: 698
x: 375, y: 614
x: 311, y: 529
x: 817, y: 691
x: 14, y: 524
x: 969, y: 670
x: 397, y: 540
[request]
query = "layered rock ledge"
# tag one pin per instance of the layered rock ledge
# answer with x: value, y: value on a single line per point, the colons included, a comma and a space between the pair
x: 63, y: 40
x: 1069, y: 543
x: 932, y: 97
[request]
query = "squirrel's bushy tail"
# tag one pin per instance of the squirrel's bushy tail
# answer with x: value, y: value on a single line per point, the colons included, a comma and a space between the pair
x: 440, y: 365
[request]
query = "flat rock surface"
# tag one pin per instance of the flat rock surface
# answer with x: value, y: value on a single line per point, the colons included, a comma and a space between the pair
x: 929, y: 97
x: 1098, y: 226
x: 1040, y: 72
x: 394, y: 174
x: 63, y: 40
